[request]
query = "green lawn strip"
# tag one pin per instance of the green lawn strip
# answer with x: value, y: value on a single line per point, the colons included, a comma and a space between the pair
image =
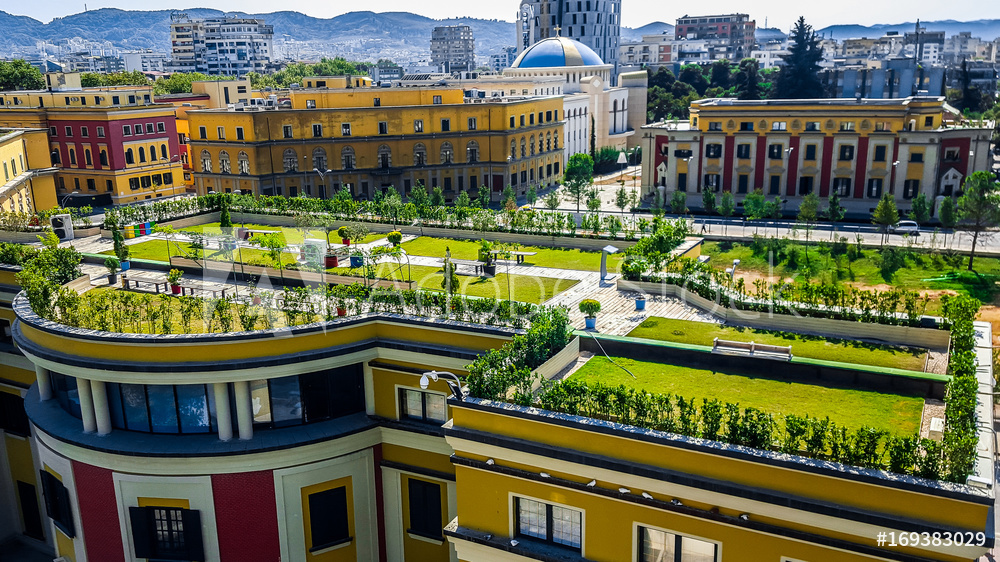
x: 561, y: 258
x: 899, y: 414
x: 816, y: 347
x: 156, y: 250
x: 291, y: 235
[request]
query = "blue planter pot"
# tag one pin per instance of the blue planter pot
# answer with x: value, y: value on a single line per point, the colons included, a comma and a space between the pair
x: 357, y: 261
x: 126, y: 265
x: 640, y: 304
x: 591, y: 323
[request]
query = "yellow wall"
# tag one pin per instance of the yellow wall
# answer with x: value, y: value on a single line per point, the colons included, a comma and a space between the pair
x: 415, y: 548
x: 344, y: 553
x: 26, y: 150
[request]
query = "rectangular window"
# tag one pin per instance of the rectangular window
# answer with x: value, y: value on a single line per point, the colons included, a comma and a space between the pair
x: 522, y: 120
x: 883, y: 127
x: 951, y: 155
x: 328, y: 519
x: 317, y: 130
x: 531, y: 118
x: 743, y: 151
x: 549, y: 523
x: 202, y: 132
x: 712, y: 181
x: 847, y: 125
x: 806, y: 185
x: 512, y: 122
x: 774, y: 187
x: 345, y: 129
x: 13, y: 419
x: 383, y: 127
x: 929, y: 121
x: 847, y: 152
x: 715, y: 125
x: 842, y: 186
x: 84, y: 132
x: 425, y: 508
x: 472, y: 123
x: 53, y: 131
x: 100, y: 132
x: 166, y: 533
x: 779, y: 126
x: 377, y: 102
x: 713, y: 151
x: 445, y: 125
x: 161, y: 127
x: 422, y: 406
x: 69, y: 131
x: 874, y: 188
x: 149, y: 127
x: 115, y: 100
x: 286, y: 131
x: 879, y: 153
x: 812, y: 126
x: 220, y: 131
x: 91, y: 184
x: 57, y: 504
x: 910, y: 188
x: 810, y: 152
x: 436, y: 100
x: 418, y: 125
x: 310, y: 104
x: 239, y: 133
x: 742, y: 183
x: 746, y: 126
x: 774, y: 151
x: 660, y: 546
x: 916, y: 157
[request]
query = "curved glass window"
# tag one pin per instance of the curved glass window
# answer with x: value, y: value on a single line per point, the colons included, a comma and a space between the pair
x: 183, y: 408
x: 65, y: 392
x: 308, y: 398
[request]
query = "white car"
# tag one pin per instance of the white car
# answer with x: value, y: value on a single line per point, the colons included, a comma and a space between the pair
x: 905, y: 227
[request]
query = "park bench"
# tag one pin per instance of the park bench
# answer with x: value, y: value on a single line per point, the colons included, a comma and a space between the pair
x: 752, y: 349
x: 135, y: 282
x: 477, y: 267
x: 519, y: 256
x: 188, y: 289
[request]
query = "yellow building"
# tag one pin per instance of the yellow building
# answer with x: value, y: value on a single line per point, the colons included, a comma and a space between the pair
x: 790, y: 148
x: 28, y: 176
x: 366, y: 139
x: 111, y: 145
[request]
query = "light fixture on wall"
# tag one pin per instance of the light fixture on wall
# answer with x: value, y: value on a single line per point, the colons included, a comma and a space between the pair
x: 456, y: 386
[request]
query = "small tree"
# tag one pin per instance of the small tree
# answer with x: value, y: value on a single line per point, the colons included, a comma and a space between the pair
x: 886, y: 214
x: 678, y: 203
x: 484, y: 198
x: 594, y: 200
x: 621, y: 196
x: 708, y: 201
x: 920, y: 210
x: 463, y: 201
x: 947, y: 214
x: 507, y: 196
x: 979, y: 207
x: 552, y: 201
x: 225, y: 221
x: 808, y: 213
x: 531, y: 196
x: 578, y: 176
x: 437, y: 196
x: 727, y: 206
x: 834, y: 210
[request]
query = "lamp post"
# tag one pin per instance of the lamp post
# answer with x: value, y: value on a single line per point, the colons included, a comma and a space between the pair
x: 456, y: 386
x: 62, y: 204
x: 322, y: 178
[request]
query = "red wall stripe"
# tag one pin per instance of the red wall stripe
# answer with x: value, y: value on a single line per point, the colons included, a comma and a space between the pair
x: 246, y: 516
x: 95, y: 492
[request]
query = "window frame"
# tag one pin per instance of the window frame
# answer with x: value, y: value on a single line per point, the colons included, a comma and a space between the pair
x: 713, y: 150
x: 346, y: 538
x: 401, y: 414
x: 678, y: 542
x: 743, y: 151
x: 425, y: 515
x: 144, y: 533
x: 549, y: 522
x: 58, y: 506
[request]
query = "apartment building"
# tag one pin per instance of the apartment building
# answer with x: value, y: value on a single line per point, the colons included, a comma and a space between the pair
x: 145, y: 60
x: 790, y: 148
x: 227, y: 45
x: 28, y: 175
x: 731, y: 36
x: 453, y: 48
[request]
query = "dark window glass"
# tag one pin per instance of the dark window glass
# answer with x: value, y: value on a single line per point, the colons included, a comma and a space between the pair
x: 847, y: 152
x: 12, y: 417
x: 775, y: 187
x: 192, y: 408
x: 328, y: 518
x: 810, y: 152
x: 134, y: 404
x: 743, y: 183
x: 166, y: 533
x: 66, y: 394
x: 879, y: 154
x: 57, y: 503
x: 425, y: 508
x: 713, y: 150
x: 162, y: 408
x: 286, y: 401
x: 743, y: 151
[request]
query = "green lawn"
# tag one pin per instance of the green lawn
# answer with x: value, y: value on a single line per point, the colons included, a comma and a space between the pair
x: 815, y: 347
x: 156, y: 250
x: 292, y: 235
x: 897, y: 413
x: 561, y: 258
x: 921, y: 272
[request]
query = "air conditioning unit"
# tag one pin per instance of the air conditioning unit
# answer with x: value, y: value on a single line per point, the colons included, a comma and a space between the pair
x: 62, y: 226
x: 74, y: 99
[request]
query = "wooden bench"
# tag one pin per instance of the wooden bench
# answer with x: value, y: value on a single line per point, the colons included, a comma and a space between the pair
x: 135, y: 281
x: 752, y: 349
x: 247, y: 234
x: 190, y: 289
x: 476, y: 266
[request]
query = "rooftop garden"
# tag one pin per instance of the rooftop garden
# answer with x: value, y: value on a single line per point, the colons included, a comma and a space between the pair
x: 803, y: 345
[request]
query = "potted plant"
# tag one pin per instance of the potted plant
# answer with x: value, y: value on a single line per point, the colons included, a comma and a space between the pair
x: 640, y: 301
x: 487, y: 258
x: 345, y: 235
x: 174, y: 278
x: 590, y: 307
x: 121, y: 250
x: 357, y: 259
x: 341, y: 299
x: 112, y: 264
x: 395, y: 237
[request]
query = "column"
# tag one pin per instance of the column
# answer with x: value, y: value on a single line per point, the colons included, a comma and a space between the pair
x: 86, y: 405
x: 44, y: 383
x: 244, y: 412
x: 101, y: 412
x: 222, y: 412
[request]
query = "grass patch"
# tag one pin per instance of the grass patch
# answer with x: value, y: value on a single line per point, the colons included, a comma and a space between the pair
x: 157, y: 250
x: 814, y: 347
x: 291, y: 235
x: 561, y: 258
x: 899, y: 414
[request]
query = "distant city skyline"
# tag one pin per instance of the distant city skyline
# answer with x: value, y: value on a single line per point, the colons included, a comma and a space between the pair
x: 635, y: 13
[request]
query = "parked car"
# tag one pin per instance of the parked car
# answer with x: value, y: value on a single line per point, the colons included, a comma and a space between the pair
x: 905, y: 227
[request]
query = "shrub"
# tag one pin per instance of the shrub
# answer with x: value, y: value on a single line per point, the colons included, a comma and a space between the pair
x: 112, y: 264
x: 395, y: 237
x: 344, y: 232
x: 174, y: 276
x: 590, y: 307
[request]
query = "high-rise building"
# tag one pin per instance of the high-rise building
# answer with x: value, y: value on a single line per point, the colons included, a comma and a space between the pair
x: 730, y: 36
x: 216, y: 46
x: 595, y: 23
x: 503, y: 59
x: 453, y: 48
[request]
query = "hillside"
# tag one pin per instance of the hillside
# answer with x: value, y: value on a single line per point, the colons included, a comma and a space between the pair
x: 984, y: 29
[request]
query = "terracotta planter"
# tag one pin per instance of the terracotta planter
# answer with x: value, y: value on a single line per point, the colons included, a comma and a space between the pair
x: 332, y: 261
x: 341, y: 311
x: 175, y: 289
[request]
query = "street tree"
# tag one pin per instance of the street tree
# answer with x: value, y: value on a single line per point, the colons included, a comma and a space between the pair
x: 799, y: 77
x: 678, y: 203
x: 727, y: 206
x: 747, y: 80
x: 979, y: 207
x: 708, y: 201
x: 808, y: 213
x: 886, y: 214
x: 920, y: 209
x: 578, y: 176
x: 621, y: 197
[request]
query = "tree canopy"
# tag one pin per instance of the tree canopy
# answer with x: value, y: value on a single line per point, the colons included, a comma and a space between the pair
x: 979, y: 207
x: 577, y: 176
x: 799, y: 78
x: 19, y: 75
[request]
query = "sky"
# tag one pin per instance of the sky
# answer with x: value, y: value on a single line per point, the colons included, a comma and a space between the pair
x: 635, y: 13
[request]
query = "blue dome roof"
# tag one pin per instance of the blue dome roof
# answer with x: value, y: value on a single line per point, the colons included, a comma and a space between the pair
x: 557, y: 51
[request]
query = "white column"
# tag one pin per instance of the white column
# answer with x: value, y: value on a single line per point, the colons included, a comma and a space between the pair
x: 101, y: 412
x: 86, y: 405
x: 222, y: 413
x: 44, y: 383
x: 244, y: 412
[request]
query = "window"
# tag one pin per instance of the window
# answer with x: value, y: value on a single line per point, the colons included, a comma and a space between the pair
x: 806, y: 185
x: 882, y: 126
x: 743, y: 183
x: 100, y: 132
x: 161, y: 127
x: 166, y: 533
x: 69, y: 131
x: 743, y: 151
x: 522, y: 120
x: 879, y: 154
x: 910, y: 188
x: 244, y: 163
x: 87, y: 158
x: 746, y: 126
x: 847, y: 125
x: 152, y: 153
x: 383, y: 128
x: 72, y: 157
x: 660, y: 546
x: 445, y: 125
x: 168, y: 179
x: 472, y: 123
x: 13, y: 419
x: 774, y: 151
x: 291, y: 160
x: 774, y: 187
x: 286, y: 131
x: 149, y: 129
x: 425, y: 508
x: 202, y: 132
x: 317, y: 130
x: 812, y: 126
x: 512, y: 122
x: 319, y: 159
x: 842, y: 186
x: 548, y: 523
x: 810, y: 152
x: 310, y: 104
x: 779, y: 126
x: 422, y: 406
x: 53, y: 131
x: 57, y: 503
x: 91, y: 184
x: 163, y: 151
x: 104, y: 157
x: 84, y: 131
x: 847, y: 152
x: 345, y: 129
x: 712, y: 182
x: 437, y: 100
x: 109, y: 185
x: 713, y: 150
x: 142, y: 155
x: 129, y: 158
x: 206, y: 162
x: 875, y: 188
x: 472, y: 152
x: 929, y: 121
x: 418, y: 125
x: 715, y: 125
x: 347, y: 158
x: 328, y: 521
x: 951, y: 155
x: 531, y: 118
x: 225, y: 166
x: 376, y: 102
x: 916, y: 157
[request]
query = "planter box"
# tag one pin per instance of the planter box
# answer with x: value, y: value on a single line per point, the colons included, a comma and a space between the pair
x: 557, y: 363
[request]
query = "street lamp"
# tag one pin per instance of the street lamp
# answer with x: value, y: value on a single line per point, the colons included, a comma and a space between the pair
x: 732, y: 270
x: 322, y: 178
x: 456, y: 387
x: 62, y: 205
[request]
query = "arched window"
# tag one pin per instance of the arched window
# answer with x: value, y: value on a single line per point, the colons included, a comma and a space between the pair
x: 513, y: 149
x: 152, y: 153
x: 206, y: 161
x: 72, y: 157
x: 87, y: 158
x: 56, y: 160
x: 347, y: 158
x: 319, y: 159
x: 419, y: 154
x: 142, y: 155
x: 531, y: 146
x: 548, y: 142
x: 104, y: 158
x: 291, y: 160
x: 129, y: 157
x: 163, y: 151
x: 447, y: 153
x: 225, y: 167
x: 244, y: 163
x: 472, y: 152
x: 524, y: 148
x: 555, y: 140
x: 384, y: 157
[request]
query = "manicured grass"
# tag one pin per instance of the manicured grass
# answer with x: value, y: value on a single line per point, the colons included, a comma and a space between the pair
x: 156, y: 250
x: 290, y: 234
x: 899, y: 414
x: 815, y: 347
x: 561, y: 258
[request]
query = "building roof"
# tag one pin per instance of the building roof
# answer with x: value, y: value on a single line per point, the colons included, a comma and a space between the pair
x: 557, y: 51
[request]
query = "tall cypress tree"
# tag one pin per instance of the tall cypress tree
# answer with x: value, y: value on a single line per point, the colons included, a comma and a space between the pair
x: 799, y: 78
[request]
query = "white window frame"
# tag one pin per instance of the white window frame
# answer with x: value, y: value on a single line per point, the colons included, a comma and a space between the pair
x: 513, y: 519
x: 635, y: 539
x: 399, y: 405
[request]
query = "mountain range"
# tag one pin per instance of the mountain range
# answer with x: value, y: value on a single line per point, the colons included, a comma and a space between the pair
x: 984, y: 29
